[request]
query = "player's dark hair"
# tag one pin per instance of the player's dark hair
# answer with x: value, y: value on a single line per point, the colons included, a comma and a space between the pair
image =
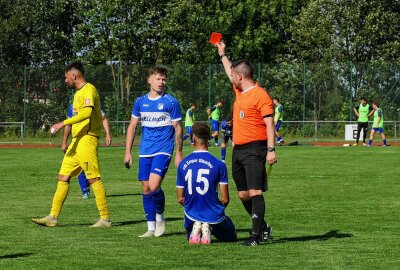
x: 376, y: 103
x: 193, y: 104
x: 75, y: 65
x: 363, y: 98
x: 201, y: 131
x: 228, y: 118
x: 243, y: 67
x: 276, y: 98
x: 158, y: 70
x: 220, y: 101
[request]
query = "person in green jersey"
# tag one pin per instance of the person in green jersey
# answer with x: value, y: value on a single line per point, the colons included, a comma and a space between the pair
x: 214, y: 114
x: 362, y: 112
x: 278, y: 118
x: 189, y: 120
x: 377, y: 126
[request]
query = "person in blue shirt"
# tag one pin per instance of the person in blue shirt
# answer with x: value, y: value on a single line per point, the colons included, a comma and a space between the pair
x: 83, y: 182
x: 214, y: 114
x: 199, y: 177
x: 226, y: 131
x: 160, y: 117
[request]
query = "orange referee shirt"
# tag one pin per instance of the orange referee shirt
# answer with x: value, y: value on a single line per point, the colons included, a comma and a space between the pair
x: 249, y: 109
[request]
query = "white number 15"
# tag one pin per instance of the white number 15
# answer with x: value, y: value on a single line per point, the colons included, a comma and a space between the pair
x: 200, y: 178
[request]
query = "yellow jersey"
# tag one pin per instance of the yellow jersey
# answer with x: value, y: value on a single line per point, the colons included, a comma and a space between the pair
x: 87, y: 96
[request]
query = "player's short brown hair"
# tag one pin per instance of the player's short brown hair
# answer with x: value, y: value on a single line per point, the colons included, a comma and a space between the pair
x: 158, y: 70
x: 201, y: 131
x: 243, y: 67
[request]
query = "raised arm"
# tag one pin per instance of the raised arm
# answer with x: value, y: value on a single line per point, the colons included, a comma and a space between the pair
x: 224, y: 58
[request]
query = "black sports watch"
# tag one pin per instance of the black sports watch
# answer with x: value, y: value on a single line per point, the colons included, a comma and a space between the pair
x: 271, y: 149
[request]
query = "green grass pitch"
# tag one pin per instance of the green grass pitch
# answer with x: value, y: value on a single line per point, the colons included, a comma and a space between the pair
x: 330, y: 208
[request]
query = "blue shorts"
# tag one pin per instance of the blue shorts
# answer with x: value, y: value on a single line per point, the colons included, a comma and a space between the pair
x: 189, y: 130
x: 215, y: 125
x: 155, y: 164
x: 379, y: 130
x: 278, y: 125
x: 224, y: 231
x: 226, y: 139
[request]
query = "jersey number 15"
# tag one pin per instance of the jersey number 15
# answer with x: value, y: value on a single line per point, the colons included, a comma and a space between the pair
x: 200, y: 178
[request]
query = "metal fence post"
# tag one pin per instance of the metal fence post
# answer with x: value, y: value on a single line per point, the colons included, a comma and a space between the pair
x: 351, y: 92
x: 304, y: 95
x: 118, y: 89
x: 25, y: 101
x: 209, y: 85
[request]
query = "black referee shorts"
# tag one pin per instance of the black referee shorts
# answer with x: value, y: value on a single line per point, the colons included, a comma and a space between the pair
x: 248, y: 166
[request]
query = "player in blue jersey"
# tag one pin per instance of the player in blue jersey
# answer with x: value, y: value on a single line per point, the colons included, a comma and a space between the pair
x: 226, y: 131
x: 160, y: 117
x: 83, y: 182
x: 214, y: 114
x: 198, y: 178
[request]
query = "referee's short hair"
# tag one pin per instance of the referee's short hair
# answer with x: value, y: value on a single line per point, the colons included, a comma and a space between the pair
x: 75, y: 65
x: 201, y: 131
x: 243, y: 67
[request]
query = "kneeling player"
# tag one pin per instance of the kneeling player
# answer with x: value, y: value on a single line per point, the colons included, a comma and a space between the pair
x: 226, y: 130
x: 198, y: 177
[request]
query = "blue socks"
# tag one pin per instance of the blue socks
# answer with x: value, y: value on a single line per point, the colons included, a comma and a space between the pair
x: 223, y: 153
x: 384, y: 142
x: 83, y: 183
x: 370, y: 142
x: 158, y: 201
x: 185, y: 137
x: 148, y: 207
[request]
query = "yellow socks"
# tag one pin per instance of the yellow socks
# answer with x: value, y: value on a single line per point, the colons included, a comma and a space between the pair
x: 101, y: 201
x: 59, y: 198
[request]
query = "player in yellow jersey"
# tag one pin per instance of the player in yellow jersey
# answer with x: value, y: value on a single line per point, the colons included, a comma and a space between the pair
x: 82, y: 152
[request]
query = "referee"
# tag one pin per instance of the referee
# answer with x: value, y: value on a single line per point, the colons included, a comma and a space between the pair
x: 254, y: 139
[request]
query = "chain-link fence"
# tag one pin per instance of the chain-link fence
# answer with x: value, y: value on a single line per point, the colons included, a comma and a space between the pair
x: 38, y: 97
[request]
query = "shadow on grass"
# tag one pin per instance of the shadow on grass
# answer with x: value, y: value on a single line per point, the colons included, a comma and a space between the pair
x: 132, y: 222
x: 16, y: 255
x: 123, y: 195
x: 322, y: 237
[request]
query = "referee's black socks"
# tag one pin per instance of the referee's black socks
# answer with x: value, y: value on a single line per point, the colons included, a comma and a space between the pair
x: 248, y: 205
x: 258, y: 213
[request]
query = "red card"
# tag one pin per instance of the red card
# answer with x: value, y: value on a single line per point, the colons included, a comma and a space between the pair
x: 215, y: 37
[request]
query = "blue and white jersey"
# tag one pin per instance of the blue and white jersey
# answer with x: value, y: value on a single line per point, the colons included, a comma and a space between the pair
x: 156, y: 116
x: 71, y: 113
x: 227, y: 130
x: 199, y: 174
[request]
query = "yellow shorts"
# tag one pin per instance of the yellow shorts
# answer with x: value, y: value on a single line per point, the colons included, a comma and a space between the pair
x: 81, y: 155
